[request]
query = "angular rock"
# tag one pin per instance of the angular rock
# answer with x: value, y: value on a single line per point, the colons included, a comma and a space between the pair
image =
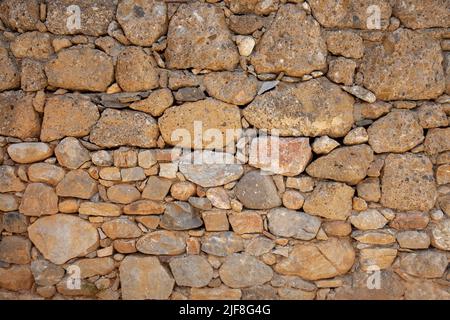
x: 432, y: 115
x: 292, y: 224
x: 369, y: 189
x: 144, y: 207
x: 9, y: 182
x: 16, y: 278
x: 47, y: 173
x: 387, y: 67
x: 123, y: 193
x: 77, y: 184
x: 15, y: 249
x: 323, y: 260
x: 241, y: 271
x: 413, y: 239
x: 346, y: 164
x: 191, y: 271
x: 257, y: 191
x: 144, y: 278
x: 209, y: 118
x: 259, y: 246
x: 46, y: 273
x: 196, y: 31
x: 437, y: 141
x: 94, y: 17
x: 71, y: 154
x: 331, y: 200
x: 231, y: 87
x: 180, y: 215
x: 68, y: 116
x: 121, y: 228
x: 103, y: 209
x: 215, y: 220
x: 82, y: 69
x: 95, y: 266
x: 312, y: 108
x: 324, y: 145
x: 285, y: 156
x: 156, y: 103
x: 162, y: 242
x: 29, y: 152
x: 408, y: 183
x: 342, y: 70
x: 20, y: 14
x: 410, y: 220
x: 132, y: 128
x: 156, y: 188
x: 345, y: 43
x: 219, y: 198
x: 416, y: 14
x: 222, y: 243
x: 143, y: 22
x: 62, y: 237
x: 14, y: 222
x: 246, y: 222
x: 34, y: 45
x: 368, y: 220
x: 8, y: 203
x: 39, y: 199
x: 424, y: 264
x: 9, y: 72
x: 292, y: 44
x: 376, y: 258
x: 440, y: 234
x: 33, y: 76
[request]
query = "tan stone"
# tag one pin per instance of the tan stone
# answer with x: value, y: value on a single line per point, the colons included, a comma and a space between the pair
x: 257, y: 191
x: 324, y: 145
x: 337, y: 228
x: 252, y: 6
x: 71, y: 154
x: 125, y: 245
x: 443, y: 174
x: 162, y: 242
x: 156, y: 103
x: 35, y: 45
x: 39, y: 199
x: 219, y: 198
x: 246, y: 222
x: 432, y: 115
x: 9, y: 181
x: 144, y: 207
x: 121, y: 228
x: 410, y: 220
x: 291, y: 224
x: 9, y: 72
x: 125, y: 157
x: 29, y: 152
x: 15, y: 249
x: 182, y: 190
x: 95, y: 267
x: 341, y: 70
x: 418, y: 14
x: 378, y: 258
x: 20, y: 14
x: 156, y: 188
x: 293, y: 199
x: 369, y: 189
x: 16, y: 278
x: 77, y: 184
x: 150, y: 222
x: 8, y: 203
x: 215, y: 220
x: 368, y: 220
x: 220, y: 293
x: 241, y: 270
x: 371, y: 111
x: 123, y: 193
x: 440, y: 234
x: 345, y: 43
x: 103, y: 209
x: 245, y: 24
x: 411, y: 239
x: 437, y: 141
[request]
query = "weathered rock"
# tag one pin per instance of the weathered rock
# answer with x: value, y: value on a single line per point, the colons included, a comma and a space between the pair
x: 95, y: 267
x: 191, y: 271
x: 196, y: 31
x: 14, y: 222
x: 222, y: 243
x: 215, y: 220
x: 345, y: 43
x: 245, y: 24
x: 94, y: 18
x: 369, y: 189
x: 312, y: 108
x: 424, y: 264
x: 46, y: 273
x: 156, y: 103
x: 387, y: 67
x: 180, y: 215
x: 29, y: 152
x: 144, y: 278
x: 342, y: 70
x: 440, y: 234
x: 220, y: 293
x: 337, y: 228
x: 351, y: 14
x: 413, y: 239
x: 68, y: 116
x: 20, y: 14
x: 292, y: 44
x: 425, y: 290
x: 9, y: 182
x: 331, y: 200
x: 156, y: 188
x: 15, y: 249
x: 123, y: 193
x: 293, y: 199
x: 257, y: 191
x: 410, y: 220
x: 246, y: 222
x: 19, y: 119
x: 324, y: 145
x: 183, y: 190
x: 346, y: 164
x: 77, y: 184
x: 143, y: 22
x: 16, y: 278
x: 39, y: 199
x: 415, y: 14
x: 431, y: 115
x: 408, y: 183
x: 241, y: 270
x: 132, y: 128
x: 162, y: 242
x: 47, y: 173
x: 374, y: 237
x: 368, y: 220
x: 9, y: 72
x: 8, y: 202
x: 231, y: 87
x: 63, y: 237
x: 135, y: 70
x: 219, y: 198
x: 252, y: 6
x: 181, y: 125
x: 209, y: 168
x: 104, y: 209
x: 318, y: 261
x: 33, y: 76
x: 71, y: 154
x: 82, y: 69
x: 121, y: 228
x: 376, y: 258
x: 293, y: 224
x: 34, y: 45
x: 399, y: 131
x: 285, y: 156
x: 144, y: 207
x: 437, y: 140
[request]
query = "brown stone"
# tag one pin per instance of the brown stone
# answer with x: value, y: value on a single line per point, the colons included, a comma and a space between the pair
x: 368, y: 220
x: 47, y: 173
x: 419, y: 14
x: 241, y: 270
x: 246, y: 222
x: 121, y: 228
x: 33, y: 76
x: 103, y: 209
x: 410, y: 220
x: 8, y: 202
x: 291, y: 224
x: 220, y: 293
x: 162, y: 242
x: 180, y: 215
x: 156, y: 188
x: 144, y: 207
x: 15, y: 249
x: 191, y: 271
x: 29, y: 152
x: 123, y: 193
x: 16, y: 278
x: 337, y: 228
x: 432, y: 115
x: 437, y: 141
x: 257, y: 191
x: 39, y: 199
x: 9, y: 72
x: 369, y: 189
x: 9, y: 182
x: 342, y: 70
x: 156, y: 103
x: 245, y: 24
x: 222, y: 243
x: 46, y: 273
x: 215, y: 220
x: 411, y: 239
x: 376, y: 258
x: 20, y: 14
x: 34, y: 45
x: 183, y: 190
x: 252, y: 6
x: 293, y: 199
x: 440, y: 234
x: 71, y: 154
x: 345, y: 43
x: 77, y: 184
x: 95, y: 267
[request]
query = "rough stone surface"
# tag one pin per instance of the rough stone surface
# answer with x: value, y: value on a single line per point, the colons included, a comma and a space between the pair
x: 293, y: 224
x: 180, y: 216
x: 231, y: 87
x: 191, y: 271
x: 417, y: 14
x: 71, y: 154
x: 77, y: 184
x: 257, y: 191
x: 240, y: 271
x: 39, y: 199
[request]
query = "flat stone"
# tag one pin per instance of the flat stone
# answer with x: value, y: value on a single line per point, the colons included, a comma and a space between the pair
x: 162, y: 242
x: 411, y: 239
x: 95, y: 267
x: 346, y: 164
x: 77, y: 184
x: 9, y: 71
x: 331, y: 200
x: 285, y: 156
x: 188, y: 125
x: 408, y: 183
x: 210, y: 169
x: 410, y: 220
x: 46, y: 273
x: 191, y: 271
x: 361, y: 93
x: 292, y: 224
x: 424, y: 264
x: 215, y: 220
x: 144, y: 278
x: 102, y: 158
x: 20, y: 14
x: 19, y: 119
x: 259, y: 246
x: 94, y: 19
x: 16, y: 278
x: 387, y: 67
x: 47, y: 173
x: 220, y: 293
x: 63, y: 237
x: 180, y: 215
x: 219, y: 198
x: 337, y: 228
x: 323, y: 260
x: 222, y: 244
x: 368, y: 220
x: 312, y: 108
x: 241, y: 270
x: 15, y: 249
x: 135, y: 70
x: 103, y: 209
x: 71, y: 154
x: 257, y: 191
x: 121, y: 228
x: 34, y: 45
x: 143, y: 22
x: 132, y: 128
x: 156, y: 103
x: 82, y: 69
x: 156, y: 188
x: 292, y: 44
x: 29, y: 152
x: 144, y: 207
x: 39, y: 199
x: 246, y: 222
x: 374, y: 237
x: 440, y: 234
x: 187, y: 46
x: 376, y: 258
x: 231, y: 87
x: 416, y: 14
x: 68, y: 116
x: 123, y: 193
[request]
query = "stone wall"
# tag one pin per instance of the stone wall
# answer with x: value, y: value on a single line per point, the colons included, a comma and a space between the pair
x: 322, y: 129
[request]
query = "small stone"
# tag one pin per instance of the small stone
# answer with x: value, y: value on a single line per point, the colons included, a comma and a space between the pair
x: 245, y: 45
x: 356, y: 136
x: 94, y: 267
x: 125, y: 157
x: 219, y: 198
x: 103, y: 209
x: 345, y: 43
x: 215, y: 220
x: 240, y: 271
x: 46, y: 273
x: 144, y: 207
x: 246, y: 222
x: 371, y: 111
x: 425, y: 264
x: 39, y: 199
x: 413, y: 239
x: 168, y: 170
x: 156, y: 103
x: 342, y: 70
x: 440, y: 234
x: 123, y: 193
x: 147, y: 159
x: 361, y: 93
x: 374, y: 237
x: 15, y: 249
x: 443, y: 174
x: 71, y: 154
x: 162, y: 242
x: 69, y: 205
x: 180, y: 215
x: 324, y: 145
x: 292, y: 224
x: 183, y: 190
x: 431, y: 115
x: 132, y: 174
x: 257, y: 191
x: 33, y: 76
x: 222, y: 244
x: 8, y: 203
x: 437, y: 141
x: 102, y: 158
x: 369, y: 189
x: 293, y: 200
x: 245, y: 24
x: 259, y: 246
x: 110, y: 174
x: 63, y: 237
x: 220, y: 293
x: 29, y: 152
x: 156, y: 188
x: 417, y: 14
x: 378, y: 258
x: 368, y: 220
x: 121, y: 228
x: 191, y: 271
x: 77, y: 184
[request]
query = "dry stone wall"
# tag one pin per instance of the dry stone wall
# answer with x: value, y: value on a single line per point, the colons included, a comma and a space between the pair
x: 237, y: 149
